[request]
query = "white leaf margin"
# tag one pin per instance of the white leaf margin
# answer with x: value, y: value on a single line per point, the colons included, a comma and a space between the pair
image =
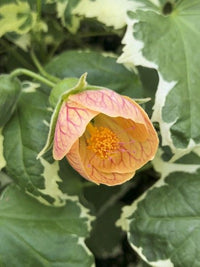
x: 164, y: 168
x: 101, y: 11
x: 132, y: 56
x: 112, y: 13
x: 52, y: 178
x: 51, y: 189
x: 2, y: 159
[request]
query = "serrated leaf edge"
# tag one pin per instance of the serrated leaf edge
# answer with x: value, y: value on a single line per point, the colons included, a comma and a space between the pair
x: 159, y: 263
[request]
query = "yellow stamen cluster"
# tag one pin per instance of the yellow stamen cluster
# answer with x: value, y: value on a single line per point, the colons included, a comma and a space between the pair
x: 103, y: 142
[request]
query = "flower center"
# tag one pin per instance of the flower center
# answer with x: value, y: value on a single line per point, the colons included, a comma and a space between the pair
x: 103, y: 142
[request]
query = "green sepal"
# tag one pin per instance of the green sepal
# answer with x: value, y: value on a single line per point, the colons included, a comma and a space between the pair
x: 61, y: 88
x: 60, y: 93
x: 10, y: 89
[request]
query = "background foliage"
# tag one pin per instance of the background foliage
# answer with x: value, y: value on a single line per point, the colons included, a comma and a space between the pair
x: 49, y: 215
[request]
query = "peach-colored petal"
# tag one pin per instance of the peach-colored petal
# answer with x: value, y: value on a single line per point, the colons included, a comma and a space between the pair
x: 71, y: 123
x: 136, y: 131
x: 112, y: 178
x: 141, y: 145
x: 75, y: 161
x: 91, y: 172
x: 110, y: 103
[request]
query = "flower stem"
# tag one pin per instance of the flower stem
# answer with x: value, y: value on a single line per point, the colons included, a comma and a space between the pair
x: 33, y: 75
x: 41, y: 69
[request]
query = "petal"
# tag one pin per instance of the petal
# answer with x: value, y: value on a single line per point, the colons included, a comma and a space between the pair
x: 91, y: 173
x: 110, y: 103
x: 110, y: 179
x: 72, y: 121
x: 75, y: 160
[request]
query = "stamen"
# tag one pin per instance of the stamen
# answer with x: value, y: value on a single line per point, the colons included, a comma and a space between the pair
x: 103, y: 141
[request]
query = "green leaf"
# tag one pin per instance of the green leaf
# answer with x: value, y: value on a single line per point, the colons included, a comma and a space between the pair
x: 22, y: 41
x: 72, y: 183
x: 102, y: 70
x: 10, y: 89
x: 24, y: 136
x: 34, y: 235
x: 166, y: 38
x: 16, y: 17
x: 163, y: 224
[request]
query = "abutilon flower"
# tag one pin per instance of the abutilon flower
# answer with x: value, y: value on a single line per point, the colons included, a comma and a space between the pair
x: 105, y: 137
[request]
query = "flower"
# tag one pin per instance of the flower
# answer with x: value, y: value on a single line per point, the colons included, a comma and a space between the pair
x: 105, y: 137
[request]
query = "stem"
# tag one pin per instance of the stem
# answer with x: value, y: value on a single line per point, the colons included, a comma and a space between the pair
x: 114, y: 198
x: 41, y: 69
x: 39, y: 4
x: 33, y: 75
x: 88, y: 184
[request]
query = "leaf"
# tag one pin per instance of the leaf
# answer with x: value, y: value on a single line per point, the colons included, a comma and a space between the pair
x: 102, y: 70
x: 22, y: 41
x: 163, y: 224
x: 10, y: 89
x: 24, y: 136
x: 34, y: 235
x: 71, y: 12
x: 167, y: 42
x: 100, y: 9
x: 16, y: 17
x: 65, y: 13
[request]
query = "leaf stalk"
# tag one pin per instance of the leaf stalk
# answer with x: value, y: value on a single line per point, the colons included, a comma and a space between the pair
x: 33, y: 75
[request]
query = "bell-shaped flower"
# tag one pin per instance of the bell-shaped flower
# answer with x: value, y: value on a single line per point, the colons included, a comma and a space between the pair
x: 105, y: 136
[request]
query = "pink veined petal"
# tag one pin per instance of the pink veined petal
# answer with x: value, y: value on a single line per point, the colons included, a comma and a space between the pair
x: 79, y: 162
x: 75, y: 161
x: 71, y: 123
x: 110, y: 179
x: 110, y: 103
